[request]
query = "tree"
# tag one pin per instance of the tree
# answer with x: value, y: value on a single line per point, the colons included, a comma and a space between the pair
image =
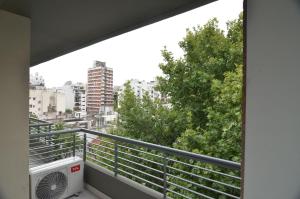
x: 149, y: 120
x: 222, y: 135
x: 208, y: 54
x: 208, y: 81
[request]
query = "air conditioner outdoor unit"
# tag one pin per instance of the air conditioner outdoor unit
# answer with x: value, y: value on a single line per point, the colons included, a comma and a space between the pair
x: 57, y: 180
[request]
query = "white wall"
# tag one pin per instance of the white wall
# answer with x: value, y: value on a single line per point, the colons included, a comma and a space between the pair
x: 14, y: 79
x: 69, y: 96
x: 272, y: 143
x: 60, y: 102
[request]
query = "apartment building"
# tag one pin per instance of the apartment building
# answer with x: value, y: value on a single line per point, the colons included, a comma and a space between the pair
x: 141, y: 87
x: 45, y: 102
x: 100, y: 89
x: 75, y: 96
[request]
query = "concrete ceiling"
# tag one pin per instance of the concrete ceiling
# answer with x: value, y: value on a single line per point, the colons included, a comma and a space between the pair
x: 62, y: 26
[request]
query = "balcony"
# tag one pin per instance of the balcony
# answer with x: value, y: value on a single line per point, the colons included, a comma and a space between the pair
x: 136, y: 169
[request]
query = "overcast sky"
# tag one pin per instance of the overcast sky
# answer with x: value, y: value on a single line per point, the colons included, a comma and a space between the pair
x: 135, y: 54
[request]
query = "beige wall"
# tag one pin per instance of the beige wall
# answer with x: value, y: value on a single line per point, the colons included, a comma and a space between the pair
x: 14, y: 75
x: 272, y: 148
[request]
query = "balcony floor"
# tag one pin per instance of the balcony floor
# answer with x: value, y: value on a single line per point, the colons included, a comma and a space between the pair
x: 85, y: 195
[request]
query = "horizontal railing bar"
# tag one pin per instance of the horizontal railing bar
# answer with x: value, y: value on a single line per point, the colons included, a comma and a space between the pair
x: 38, y: 120
x: 142, y: 158
x: 189, y: 190
x: 198, y: 157
x: 100, y: 156
x: 52, y: 133
x: 50, y: 157
x: 107, y: 142
x: 37, y: 132
x: 50, y: 151
x: 158, y: 171
x: 45, y: 137
x: 142, y: 179
x: 99, y: 162
x: 202, y: 168
x: 204, y: 187
x: 159, y: 156
x: 100, y: 151
x: 202, y: 177
x: 147, y: 174
x: 105, y: 147
x: 40, y: 124
x: 52, y: 145
x: 101, y: 140
x: 41, y: 130
x: 174, y: 192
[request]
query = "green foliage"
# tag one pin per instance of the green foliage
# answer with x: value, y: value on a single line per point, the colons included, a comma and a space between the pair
x: 68, y: 111
x: 33, y: 115
x: 59, y: 126
x: 222, y: 135
x: 208, y: 54
x: 64, y: 143
x: 149, y: 120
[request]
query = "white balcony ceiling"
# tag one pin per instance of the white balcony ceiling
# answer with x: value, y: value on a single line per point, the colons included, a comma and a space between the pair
x: 62, y: 26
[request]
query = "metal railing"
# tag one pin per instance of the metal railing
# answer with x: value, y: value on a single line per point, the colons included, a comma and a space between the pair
x: 172, y: 172
x: 39, y: 126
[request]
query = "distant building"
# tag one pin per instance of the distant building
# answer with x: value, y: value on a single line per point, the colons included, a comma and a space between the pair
x: 100, y: 89
x: 75, y: 96
x: 140, y: 87
x: 44, y: 102
x: 36, y: 81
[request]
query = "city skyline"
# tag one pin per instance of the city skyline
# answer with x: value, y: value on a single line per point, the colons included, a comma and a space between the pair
x: 136, y: 54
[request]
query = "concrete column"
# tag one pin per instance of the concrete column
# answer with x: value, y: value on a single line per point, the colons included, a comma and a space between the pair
x: 14, y: 67
x: 272, y: 134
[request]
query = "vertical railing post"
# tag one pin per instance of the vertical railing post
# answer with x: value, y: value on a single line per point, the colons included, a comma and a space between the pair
x: 165, y: 159
x: 84, y: 147
x: 116, y: 159
x: 74, y: 144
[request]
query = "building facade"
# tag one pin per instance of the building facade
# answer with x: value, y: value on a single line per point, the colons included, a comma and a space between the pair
x: 100, y: 89
x: 141, y: 87
x: 36, y: 80
x: 46, y: 102
x: 75, y: 96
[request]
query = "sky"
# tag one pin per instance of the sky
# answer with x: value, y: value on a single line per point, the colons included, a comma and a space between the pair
x: 136, y: 54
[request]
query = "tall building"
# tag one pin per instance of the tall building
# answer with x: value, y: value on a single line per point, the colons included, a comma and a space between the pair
x: 100, y: 89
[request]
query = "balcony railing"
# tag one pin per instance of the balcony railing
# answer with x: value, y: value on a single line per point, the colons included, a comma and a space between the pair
x: 172, y: 172
x: 39, y: 126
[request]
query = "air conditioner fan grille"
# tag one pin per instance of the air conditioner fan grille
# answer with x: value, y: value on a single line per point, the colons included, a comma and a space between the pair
x: 52, y: 186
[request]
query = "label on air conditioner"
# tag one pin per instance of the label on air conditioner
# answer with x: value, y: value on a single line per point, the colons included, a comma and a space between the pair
x: 75, y: 168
